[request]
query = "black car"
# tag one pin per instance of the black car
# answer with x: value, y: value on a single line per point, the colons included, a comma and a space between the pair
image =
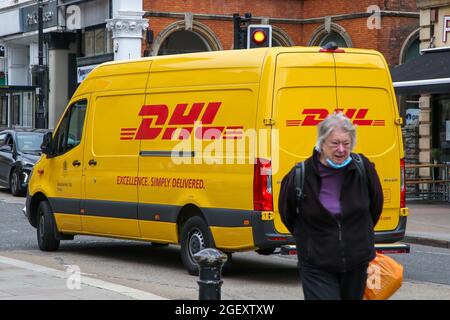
x: 20, y: 149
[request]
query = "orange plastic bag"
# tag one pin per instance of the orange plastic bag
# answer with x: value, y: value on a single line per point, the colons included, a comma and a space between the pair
x: 384, y: 278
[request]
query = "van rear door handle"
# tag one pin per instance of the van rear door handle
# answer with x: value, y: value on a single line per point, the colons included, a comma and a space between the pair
x: 76, y: 163
x: 92, y: 162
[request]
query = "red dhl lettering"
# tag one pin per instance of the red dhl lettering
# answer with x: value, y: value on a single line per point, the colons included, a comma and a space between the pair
x: 315, y: 116
x: 156, y: 123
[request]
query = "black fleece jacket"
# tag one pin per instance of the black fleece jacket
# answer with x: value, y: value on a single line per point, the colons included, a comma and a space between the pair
x: 324, y: 241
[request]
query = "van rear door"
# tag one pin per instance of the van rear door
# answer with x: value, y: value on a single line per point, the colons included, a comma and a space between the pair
x: 304, y: 94
x: 364, y: 93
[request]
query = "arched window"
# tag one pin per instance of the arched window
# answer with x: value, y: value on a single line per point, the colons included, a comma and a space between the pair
x: 280, y: 38
x: 177, y: 39
x: 337, y: 34
x: 410, y: 48
x: 335, y: 37
x: 183, y: 41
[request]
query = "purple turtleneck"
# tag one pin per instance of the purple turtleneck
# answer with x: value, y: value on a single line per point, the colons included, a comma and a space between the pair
x: 330, y: 189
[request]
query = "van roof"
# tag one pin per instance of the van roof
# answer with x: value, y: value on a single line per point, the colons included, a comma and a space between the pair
x: 240, y: 60
x: 223, y: 58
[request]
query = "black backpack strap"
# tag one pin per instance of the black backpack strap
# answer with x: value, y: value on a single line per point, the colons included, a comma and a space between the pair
x: 360, y: 166
x: 299, y: 180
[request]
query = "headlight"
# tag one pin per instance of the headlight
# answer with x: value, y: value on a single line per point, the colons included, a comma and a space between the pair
x: 27, y: 165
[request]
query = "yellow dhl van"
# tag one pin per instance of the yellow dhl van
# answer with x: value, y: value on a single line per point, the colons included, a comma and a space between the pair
x: 191, y: 149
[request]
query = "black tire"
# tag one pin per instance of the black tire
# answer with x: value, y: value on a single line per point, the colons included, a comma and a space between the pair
x: 46, y: 228
x: 195, y: 237
x: 15, y: 185
x: 266, y: 252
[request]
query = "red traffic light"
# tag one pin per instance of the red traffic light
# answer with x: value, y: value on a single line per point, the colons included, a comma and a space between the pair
x: 259, y: 36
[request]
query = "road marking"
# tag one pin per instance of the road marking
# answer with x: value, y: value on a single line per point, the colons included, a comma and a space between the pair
x: 436, y: 253
x: 126, y: 291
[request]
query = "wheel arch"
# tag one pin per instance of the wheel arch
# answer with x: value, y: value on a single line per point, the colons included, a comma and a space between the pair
x: 188, y: 211
x: 37, y: 198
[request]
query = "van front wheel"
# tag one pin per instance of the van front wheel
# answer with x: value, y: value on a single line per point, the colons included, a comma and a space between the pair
x: 195, y: 237
x: 46, y: 228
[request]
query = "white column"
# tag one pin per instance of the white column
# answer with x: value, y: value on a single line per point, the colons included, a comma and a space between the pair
x: 127, y: 26
x: 58, y: 87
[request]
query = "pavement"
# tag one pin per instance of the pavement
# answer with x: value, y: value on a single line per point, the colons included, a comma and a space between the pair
x: 428, y: 224
x: 20, y: 280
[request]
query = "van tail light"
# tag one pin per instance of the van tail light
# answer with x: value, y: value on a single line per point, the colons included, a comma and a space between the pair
x: 262, y: 185
x: 402, y: 184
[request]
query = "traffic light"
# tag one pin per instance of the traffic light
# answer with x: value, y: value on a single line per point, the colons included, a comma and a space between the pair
x: 259, y: 35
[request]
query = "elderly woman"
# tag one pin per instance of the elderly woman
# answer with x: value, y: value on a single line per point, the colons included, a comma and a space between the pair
x: 334, y: 226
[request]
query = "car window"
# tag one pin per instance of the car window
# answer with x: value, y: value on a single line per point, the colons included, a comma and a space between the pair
x: 70, y: 131
x: 29, y: 141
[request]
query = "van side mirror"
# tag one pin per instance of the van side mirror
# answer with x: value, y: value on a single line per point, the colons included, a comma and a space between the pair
x: 46, y: 146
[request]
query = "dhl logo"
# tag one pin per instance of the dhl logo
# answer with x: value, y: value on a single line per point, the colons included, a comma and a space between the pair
x: 315, y: 116
x: 181, y: 123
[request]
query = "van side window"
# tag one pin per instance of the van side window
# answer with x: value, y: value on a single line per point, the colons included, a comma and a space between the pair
x: 70, y: 131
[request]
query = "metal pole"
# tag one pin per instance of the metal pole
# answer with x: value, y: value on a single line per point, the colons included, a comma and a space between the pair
x: 40, y: 115
x: 237, y: 31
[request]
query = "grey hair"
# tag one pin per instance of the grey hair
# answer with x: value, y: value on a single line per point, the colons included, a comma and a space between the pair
x: 334, y: 121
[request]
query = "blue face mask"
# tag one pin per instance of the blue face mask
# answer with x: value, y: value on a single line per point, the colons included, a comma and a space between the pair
x: 339, y: 166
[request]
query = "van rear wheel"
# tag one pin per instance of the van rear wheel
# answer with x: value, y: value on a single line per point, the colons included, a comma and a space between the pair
x: 195, y: 237
x: 46, y: 228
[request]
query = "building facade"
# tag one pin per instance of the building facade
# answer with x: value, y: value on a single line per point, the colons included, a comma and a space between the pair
x: 78, y: 35
x: 424, y: 83
x: 391, y: 27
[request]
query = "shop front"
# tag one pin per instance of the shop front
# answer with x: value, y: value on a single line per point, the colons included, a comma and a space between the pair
x: 17, y: 106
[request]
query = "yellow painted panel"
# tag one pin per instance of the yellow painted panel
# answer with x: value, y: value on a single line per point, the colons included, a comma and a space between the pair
x: 218, y: 163
x: 389, y: 219
x: 110, y: 226
x: 159, y: 231
x: 199, y: 69
x: 233, y: 238
x: 68, y: 222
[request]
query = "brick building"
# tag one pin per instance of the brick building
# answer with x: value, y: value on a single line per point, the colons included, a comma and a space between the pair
x: 390, y: 26
x: 424, y: 84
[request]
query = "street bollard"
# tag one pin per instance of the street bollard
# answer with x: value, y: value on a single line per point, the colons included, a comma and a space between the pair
x: 210, y: 262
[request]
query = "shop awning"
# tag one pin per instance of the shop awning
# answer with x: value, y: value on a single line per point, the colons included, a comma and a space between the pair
x: 428, y: 73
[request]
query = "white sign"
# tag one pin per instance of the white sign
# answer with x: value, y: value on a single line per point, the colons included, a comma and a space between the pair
x: 412, y: 117
x: 82, y: 72
x: 447, y: 130
x: 446, y: 28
